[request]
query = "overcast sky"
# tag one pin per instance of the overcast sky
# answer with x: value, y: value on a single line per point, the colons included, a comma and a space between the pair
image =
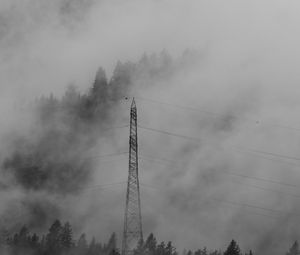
x: 249, y: 70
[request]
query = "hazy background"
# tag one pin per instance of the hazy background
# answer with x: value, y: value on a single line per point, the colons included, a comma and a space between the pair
x: 247, y: 82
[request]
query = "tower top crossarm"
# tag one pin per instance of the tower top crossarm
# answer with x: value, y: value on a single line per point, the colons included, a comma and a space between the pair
x: 133, y: 105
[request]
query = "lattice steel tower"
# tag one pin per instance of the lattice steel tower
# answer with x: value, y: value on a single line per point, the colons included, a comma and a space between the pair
x: 133, y: 233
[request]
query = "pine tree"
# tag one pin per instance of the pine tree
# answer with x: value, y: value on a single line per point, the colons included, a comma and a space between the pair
x: 34, y: 241
x: 294, y: 250
x: 170, y: 250
x: 215, y: 252
x: 140, y: 249
x: 121, y: 79
x: 150, y: 244
x: 99, y: 90
x: 165, y: 60
x: 112, y: 243
x: 23, y: 239
x: 114, y: 252
x: 233, y: 249
x: 160, y: 250
x: 82, y: 246
x: 92, y: 247
x: 4, y: 237
x: 53, y: 238
x: 66, y: 237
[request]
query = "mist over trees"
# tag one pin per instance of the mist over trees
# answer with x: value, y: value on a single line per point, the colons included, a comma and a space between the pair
x: 66, y: 127
x: 60, y: 240
x: 53, y: 158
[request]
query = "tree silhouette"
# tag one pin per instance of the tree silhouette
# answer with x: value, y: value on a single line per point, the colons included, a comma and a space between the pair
x: 66, y: 236
x: 150, y: 244
x: 233, y: 249
x: 112, y: 243
x: 82, y: 246
x: 53, y: 239
x: 294, y: 250
x: 99, y: 90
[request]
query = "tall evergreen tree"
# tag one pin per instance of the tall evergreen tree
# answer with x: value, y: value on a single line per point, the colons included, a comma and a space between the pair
x: 34, y: 242
x: 99, y: 90
x: 92, y: 250
x: 4, y: 237
x: 66, y: 236
x: 150, y: 244
x: 140, y: 249
x: 294, y: 250
x: 82, y: 246
x: 201, y: 251
x: 121, y: 79
x: 112, y: 243
x: 24, y: 238
x: 170, y: 250
x: 160, y: 250
x: 53, y: 239
x: 233, y: 249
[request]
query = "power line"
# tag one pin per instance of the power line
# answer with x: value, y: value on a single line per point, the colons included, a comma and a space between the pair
x: 249, y: 153
x: 100, y: 186
x: 105, y: 185
x: 259, y: 179
x: 239, y: 204
x: 269, y: 216
x: 249, y: 185
x: 266, y: 189
x: 158, y: 160
x: 155, y: 159
x: 115, y: 127
x: 227, y: 172
x: 256, y: 121
x: 264, y: 180
x: 109, y: 185
x: 179, y: 106
x: 107, y: 155
x: 251, y: 206
x: 244, y: 149
x: 112, y: 160
x: 148, y: 186
x: 170, y: 133
x: 238, y: 148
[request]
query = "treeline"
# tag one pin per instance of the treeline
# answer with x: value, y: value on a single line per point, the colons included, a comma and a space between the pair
x: 234, y: 249
x: 60, y: 241
x: 104, y: 92
x: 74, y: 122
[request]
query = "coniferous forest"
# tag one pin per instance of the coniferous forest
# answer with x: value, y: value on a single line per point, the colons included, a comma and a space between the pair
x: 59, y: 240
x: 53, y: 161
x: 149, y: 127
x: 74, y: 121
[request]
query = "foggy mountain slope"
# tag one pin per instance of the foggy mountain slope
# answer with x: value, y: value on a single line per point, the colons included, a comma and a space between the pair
x: 218, y: 138
x: 56, y: 156
x: 50, y: 163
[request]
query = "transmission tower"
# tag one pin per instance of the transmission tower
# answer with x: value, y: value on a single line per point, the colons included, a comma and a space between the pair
x: 132, y: 234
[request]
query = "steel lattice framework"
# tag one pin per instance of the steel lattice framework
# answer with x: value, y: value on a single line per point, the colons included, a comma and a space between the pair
x: 133, y: 233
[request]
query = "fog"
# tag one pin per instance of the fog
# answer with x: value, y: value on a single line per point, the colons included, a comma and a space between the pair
x: 240, y: 96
